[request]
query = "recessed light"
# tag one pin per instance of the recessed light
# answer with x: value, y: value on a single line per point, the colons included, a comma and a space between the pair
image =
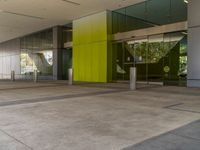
x: 71, y: 2
x: 23, y: 15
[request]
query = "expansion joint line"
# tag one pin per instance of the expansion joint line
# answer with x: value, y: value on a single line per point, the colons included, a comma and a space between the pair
x: 17, y: 140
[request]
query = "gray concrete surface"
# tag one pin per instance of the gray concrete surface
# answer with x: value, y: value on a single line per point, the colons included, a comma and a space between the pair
x: 91, y: 116
x: 184, y: 138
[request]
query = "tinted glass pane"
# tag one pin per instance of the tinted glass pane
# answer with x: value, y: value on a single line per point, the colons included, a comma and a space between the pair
x: 37, y: 53
x: 178, y: 10
x: 158, y: 11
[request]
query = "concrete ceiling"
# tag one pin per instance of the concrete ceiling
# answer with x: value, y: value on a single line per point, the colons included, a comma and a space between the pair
x: 21, y: 17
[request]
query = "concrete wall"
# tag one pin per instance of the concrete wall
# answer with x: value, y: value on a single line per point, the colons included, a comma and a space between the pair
x: 194, y: 43
x: 9, y: 58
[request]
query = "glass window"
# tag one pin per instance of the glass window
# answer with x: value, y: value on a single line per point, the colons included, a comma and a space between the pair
x: 37, y: 53
x: 148, y: 14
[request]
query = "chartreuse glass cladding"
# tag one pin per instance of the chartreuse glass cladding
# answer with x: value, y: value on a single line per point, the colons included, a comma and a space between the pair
x: 90, y: 48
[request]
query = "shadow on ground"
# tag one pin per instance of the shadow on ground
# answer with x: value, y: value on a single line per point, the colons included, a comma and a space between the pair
x: 184, y: 138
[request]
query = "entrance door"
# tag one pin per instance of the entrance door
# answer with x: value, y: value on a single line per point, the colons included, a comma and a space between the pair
x: 132, y: 54
x: 159, y: 59
x: 147, y: 54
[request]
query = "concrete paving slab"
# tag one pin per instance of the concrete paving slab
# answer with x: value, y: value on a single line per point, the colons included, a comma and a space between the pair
x: 191, y: 131
x: 108, y: 120
x: 174, y: 140
x: 9, y: 143
x: 168, y: 142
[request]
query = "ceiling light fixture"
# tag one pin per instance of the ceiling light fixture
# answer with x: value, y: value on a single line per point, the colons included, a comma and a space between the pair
x: 23, y: 15
x: 71, y: 2
x: 186, y: 1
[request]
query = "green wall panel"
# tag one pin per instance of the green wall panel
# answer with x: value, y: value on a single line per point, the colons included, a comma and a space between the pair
x: 89, y: 48
x: 90, y: 29
x: 90, y: 62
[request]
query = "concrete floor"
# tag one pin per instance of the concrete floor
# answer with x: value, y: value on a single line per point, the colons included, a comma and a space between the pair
x: 54, y: 116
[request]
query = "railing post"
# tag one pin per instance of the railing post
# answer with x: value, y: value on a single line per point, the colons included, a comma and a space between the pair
x: 70, y: 76
x: 133, y: 78
x: 12, y: 75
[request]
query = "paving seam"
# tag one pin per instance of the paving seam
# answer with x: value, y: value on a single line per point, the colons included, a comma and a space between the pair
x: 184, y: 110
x: 57, y: 98
x: 173, y: 105
x: 171, y: 92
x: 12, y: 137
x: 29, y: 87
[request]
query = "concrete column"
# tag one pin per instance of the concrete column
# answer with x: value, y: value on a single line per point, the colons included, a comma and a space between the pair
x: 193, y: 43
x: 133, y: 78
x: 57, y: 52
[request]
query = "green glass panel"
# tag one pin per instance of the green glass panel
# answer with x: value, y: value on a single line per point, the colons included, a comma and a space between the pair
x: 90, y: 36
x: 178, y: 10
x: 158, y: 11
x: 148, y: 14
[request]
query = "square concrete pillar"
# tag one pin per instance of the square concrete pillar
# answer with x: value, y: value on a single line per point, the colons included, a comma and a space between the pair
x: 193, y: 44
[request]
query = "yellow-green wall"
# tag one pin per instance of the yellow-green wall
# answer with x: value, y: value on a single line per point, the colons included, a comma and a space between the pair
x: 90, y: 48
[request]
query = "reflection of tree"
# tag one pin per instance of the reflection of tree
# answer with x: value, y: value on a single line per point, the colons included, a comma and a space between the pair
x: 152, y: 52
x: 152, y: 57
x: 31, y: 61
x: 183, y: 59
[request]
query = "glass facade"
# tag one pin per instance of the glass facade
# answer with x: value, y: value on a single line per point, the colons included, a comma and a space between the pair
x: 149, y: 14
x: 26, y: 54
x: 158, y: 58
x: 37, y: 53
x: 9, y: 58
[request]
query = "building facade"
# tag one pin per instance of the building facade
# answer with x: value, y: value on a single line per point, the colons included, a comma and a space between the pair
x: 153, y: 36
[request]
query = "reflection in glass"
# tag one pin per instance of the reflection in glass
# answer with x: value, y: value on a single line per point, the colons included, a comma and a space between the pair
x: 158, y: 58
x: 150, y: 13
x: 37, y: 53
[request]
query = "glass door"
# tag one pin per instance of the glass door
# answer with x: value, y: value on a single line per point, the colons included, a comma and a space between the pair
x: 131, y: 54
x: 159, y: 59
x: 140, y: 51
x: 155, y: 55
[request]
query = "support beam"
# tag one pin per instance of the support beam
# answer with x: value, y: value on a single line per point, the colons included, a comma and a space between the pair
x: 181, y: 26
